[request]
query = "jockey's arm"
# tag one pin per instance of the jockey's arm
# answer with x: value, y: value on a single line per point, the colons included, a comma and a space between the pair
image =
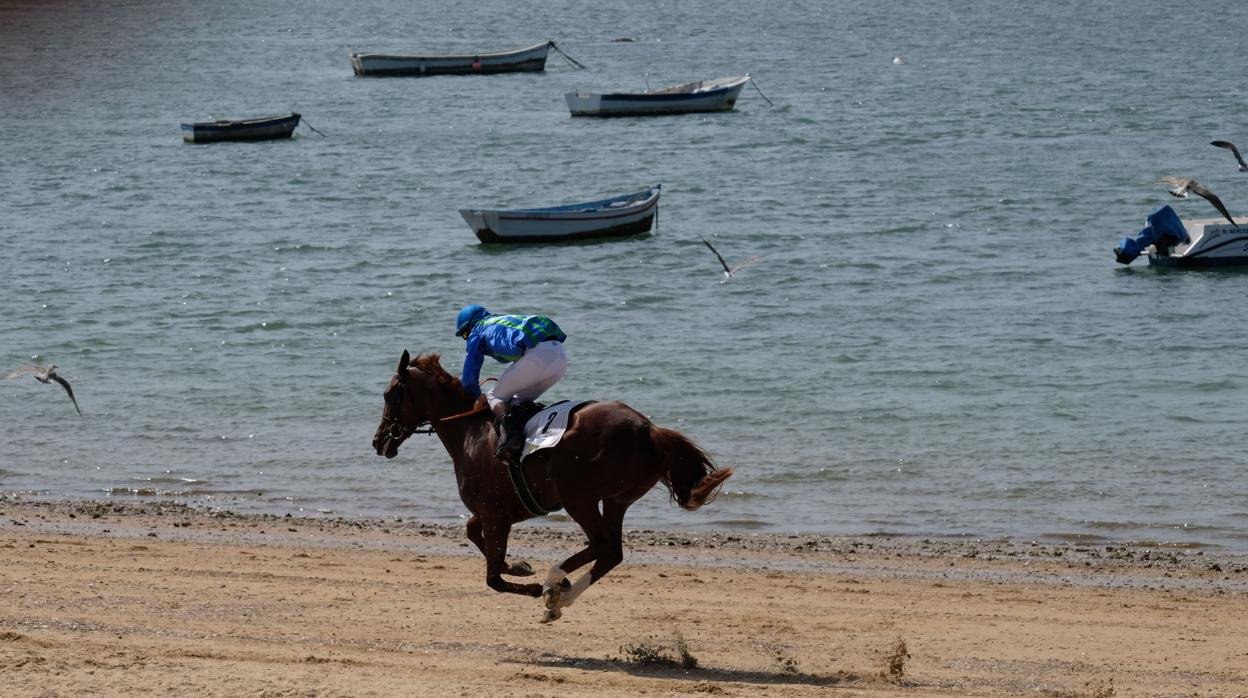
x: 473, y: 356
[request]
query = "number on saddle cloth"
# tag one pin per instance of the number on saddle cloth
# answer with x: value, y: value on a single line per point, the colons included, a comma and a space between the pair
x: 545, y: 428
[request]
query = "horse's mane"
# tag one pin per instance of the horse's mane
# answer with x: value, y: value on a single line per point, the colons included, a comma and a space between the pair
x: 432, y: 365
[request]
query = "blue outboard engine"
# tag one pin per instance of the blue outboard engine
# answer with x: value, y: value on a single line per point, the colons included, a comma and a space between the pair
x: 1164, y: 230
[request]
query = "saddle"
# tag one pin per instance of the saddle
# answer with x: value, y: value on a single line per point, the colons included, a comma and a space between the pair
x: 543, y: 427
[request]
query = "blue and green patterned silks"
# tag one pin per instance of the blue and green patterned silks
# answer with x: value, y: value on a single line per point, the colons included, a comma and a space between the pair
x: 505, y: 338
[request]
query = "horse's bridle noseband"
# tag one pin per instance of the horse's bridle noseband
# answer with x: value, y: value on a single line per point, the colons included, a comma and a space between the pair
x: 394, y: 429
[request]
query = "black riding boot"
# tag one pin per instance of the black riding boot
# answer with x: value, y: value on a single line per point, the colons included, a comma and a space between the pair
x: 510, y: 435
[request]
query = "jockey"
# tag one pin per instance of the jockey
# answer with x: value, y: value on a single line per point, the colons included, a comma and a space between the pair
x: 532, y: 344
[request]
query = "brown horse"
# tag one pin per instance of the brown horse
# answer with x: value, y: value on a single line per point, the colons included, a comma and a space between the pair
x: 608, y: 458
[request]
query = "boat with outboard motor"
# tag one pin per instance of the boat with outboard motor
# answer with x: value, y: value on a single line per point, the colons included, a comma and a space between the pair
x: 1199, y: 244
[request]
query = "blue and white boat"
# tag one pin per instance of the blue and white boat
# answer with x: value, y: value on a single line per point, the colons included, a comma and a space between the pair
x: 527, y: 59
x: 1199, y: 244
x: 628, y: 214
x: 689, y: 98
x: 259, y: 129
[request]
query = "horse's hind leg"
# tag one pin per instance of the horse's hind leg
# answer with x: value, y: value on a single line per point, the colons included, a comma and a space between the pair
x: 476, y: 534
x: 605, y: 548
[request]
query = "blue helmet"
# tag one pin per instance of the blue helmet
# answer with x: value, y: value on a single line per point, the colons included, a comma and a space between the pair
x: 468, y: 317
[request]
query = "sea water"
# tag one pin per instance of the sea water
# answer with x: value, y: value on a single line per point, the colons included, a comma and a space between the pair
x: 937, y: 341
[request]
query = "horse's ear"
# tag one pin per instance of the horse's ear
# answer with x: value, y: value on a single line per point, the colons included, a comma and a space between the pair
x: 403, y: 363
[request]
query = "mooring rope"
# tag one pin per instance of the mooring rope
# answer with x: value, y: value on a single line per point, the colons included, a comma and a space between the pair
x: 760, y: 92
x: 571, y: 60
x: 305, y: 123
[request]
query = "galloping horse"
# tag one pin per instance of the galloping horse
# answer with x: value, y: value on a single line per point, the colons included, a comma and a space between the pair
x: 608, y: 458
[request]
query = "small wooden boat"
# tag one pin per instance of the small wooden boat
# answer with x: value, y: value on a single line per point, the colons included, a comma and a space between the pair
x: 629, y: 214
x: 691, y: 97
x: 260, y: 129
x: 528, y: 59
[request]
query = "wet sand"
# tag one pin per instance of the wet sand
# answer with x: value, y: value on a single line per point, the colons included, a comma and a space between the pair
x: 109, y: 599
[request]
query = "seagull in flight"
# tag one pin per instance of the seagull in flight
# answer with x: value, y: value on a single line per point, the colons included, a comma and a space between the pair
x: 46, y: 376
x: 1243, y: 166
x: 729, y: 271
x: 1183, y: 186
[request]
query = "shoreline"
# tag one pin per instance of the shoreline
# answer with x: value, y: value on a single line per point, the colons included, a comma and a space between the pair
x: 1119, y: 564
x: 819, y: 552
x: 113, y: 599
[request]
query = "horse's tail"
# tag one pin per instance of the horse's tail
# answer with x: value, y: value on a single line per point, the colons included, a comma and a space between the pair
x: 688, y: 472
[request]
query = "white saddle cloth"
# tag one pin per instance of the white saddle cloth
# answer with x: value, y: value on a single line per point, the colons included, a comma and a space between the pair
x: 546, y: 428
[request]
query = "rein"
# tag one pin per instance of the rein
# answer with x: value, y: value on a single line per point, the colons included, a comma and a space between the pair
x: 476, y: 409
x: 395, y: 429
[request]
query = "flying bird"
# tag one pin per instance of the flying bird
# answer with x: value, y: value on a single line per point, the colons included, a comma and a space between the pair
x: 46, y: 376
x: 729, y: 271
x: 1243, y: 166
x: 1183, y: 186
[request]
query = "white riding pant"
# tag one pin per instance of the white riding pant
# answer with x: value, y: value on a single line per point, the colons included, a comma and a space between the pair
x: 531, y: 375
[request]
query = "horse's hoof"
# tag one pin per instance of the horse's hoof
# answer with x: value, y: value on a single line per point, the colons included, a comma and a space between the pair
x: 520, y: 569
x: 552, y: 615
x: 553, y: 595
x: 550, y: 597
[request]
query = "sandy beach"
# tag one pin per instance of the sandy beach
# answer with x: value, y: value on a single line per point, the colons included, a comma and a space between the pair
x: 111, y: 599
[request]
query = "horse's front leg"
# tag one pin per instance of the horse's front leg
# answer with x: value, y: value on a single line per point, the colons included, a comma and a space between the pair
x: 476, y: 534
x: 494, y: 546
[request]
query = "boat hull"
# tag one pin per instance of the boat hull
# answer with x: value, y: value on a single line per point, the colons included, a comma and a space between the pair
x: 658, y: 102
x: 260, y: 129
x: 529, y: 59
x: 1197, y: 262
x: 1214, y: 245
x: 618, y: 217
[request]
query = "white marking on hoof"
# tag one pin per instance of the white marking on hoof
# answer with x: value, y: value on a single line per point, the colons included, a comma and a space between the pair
x: 550, y: 597
x: 578, y: 587
x: 553, y: 577
x: 553, y: 595
x: 552, y: 615
x: 552, y: 589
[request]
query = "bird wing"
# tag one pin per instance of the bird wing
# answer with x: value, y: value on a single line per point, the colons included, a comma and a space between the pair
x: 65, y: 384
x: 727, y: 269
x: 747, y: 262
x: 1231, y: 146
x: 26, y: 370
x: 1213, y: 199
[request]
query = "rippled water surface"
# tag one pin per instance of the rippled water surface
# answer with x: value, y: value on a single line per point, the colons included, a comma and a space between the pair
x: 937, y: 342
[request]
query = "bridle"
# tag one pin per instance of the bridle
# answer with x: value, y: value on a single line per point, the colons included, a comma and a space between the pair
x: 394, y: 429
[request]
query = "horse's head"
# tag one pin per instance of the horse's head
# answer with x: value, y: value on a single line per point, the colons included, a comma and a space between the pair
x: 402, y: 414
x: 420, y: 392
